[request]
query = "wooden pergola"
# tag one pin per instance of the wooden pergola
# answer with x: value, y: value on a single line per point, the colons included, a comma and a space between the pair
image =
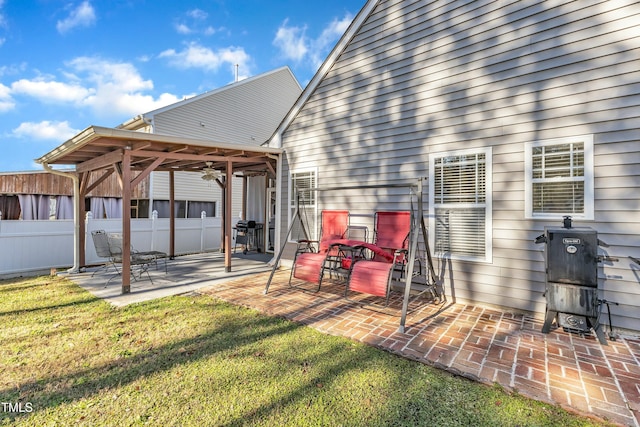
x: 98, y: 152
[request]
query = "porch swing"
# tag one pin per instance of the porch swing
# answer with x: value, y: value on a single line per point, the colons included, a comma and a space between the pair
x: 371, y: 269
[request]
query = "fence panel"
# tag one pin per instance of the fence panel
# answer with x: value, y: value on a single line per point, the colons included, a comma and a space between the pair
x: 37, y: 246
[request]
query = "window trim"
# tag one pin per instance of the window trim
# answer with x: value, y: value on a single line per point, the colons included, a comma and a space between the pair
x: 589, y: 173
x: 488, y: 203
x: 290, y: 204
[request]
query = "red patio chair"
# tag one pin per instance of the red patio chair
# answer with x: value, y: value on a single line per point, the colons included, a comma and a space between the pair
x: 312, y: 255
x: 374, y: 276
x: 392, y: 231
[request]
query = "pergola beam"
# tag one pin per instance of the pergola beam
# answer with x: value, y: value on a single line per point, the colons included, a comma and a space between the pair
x: 197, y: 157
x: 101, y: 162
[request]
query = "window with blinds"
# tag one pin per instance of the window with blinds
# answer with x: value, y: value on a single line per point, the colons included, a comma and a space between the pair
x: 559, y: 178
x: 300, y: 184
x: 459, y: 204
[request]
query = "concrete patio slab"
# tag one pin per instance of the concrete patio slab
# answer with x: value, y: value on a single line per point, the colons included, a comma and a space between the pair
x: 184, y: 274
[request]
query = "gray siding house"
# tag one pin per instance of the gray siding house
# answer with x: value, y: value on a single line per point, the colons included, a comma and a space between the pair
x: 517, y: 112
x: 246, y: 112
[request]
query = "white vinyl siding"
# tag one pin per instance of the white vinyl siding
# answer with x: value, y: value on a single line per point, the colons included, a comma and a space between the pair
x: 246, y: 112
x: 559, y: 178
x: 300, y: 182
x: 189, y: 186
x: 460, y: 204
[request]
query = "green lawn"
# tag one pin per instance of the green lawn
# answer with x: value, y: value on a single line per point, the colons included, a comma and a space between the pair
x: 68, y: 358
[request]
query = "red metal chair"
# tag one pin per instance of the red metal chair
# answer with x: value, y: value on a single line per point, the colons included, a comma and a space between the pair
x: 313, y: 255
x: 374, y: 276
x: 392, y: 231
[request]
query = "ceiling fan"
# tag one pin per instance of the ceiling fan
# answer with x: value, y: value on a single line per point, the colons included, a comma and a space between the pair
x: 208, y: 173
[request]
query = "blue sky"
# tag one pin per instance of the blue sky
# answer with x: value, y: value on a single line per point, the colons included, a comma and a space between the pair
x: 69, y: 64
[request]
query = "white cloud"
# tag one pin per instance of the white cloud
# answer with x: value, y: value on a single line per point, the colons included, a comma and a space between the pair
x: 45, y: 130
x: 195, y: 23
x: 292, y: 41
x: 6, y: 101
x: 50, y: 91
x: 102, y: 73
x: 82, y: 16
x: 12, y: 69
x: 183, y: 29
x: 198, y: 14
x: 107, y: 102
x: 197, y: 56
x: 110, y: 89
x: 118, y: 88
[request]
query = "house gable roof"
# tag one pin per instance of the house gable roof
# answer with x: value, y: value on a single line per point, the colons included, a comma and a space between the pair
x: 244, y: 112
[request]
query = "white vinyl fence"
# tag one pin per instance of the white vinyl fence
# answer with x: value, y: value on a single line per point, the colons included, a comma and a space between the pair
x: 28, y: 247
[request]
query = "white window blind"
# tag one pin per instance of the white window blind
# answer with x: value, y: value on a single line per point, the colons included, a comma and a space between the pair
x: 559, y: 178
x: 301, y: 183
x: 459, y: 204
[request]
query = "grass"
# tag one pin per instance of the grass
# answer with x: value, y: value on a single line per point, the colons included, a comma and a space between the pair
x: 70, y: 359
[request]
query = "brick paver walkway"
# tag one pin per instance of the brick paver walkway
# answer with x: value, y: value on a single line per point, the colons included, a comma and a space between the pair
x: 481, y: 343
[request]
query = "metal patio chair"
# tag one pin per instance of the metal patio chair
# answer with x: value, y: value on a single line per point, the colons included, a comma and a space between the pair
x: 138, y: 260
x: 101, y: 244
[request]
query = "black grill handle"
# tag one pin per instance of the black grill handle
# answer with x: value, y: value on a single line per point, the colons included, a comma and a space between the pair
x: 540, y: 239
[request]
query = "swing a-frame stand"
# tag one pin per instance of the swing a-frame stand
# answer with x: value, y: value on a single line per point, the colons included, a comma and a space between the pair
x: 425, y: 278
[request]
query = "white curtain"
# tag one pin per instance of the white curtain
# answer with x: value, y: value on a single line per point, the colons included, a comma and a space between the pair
x: 113, y: 207
x: 256, y: 194
x: 97, y: 207
x: 64, y: 207
x: 34, y: 206
x: 106, y: 207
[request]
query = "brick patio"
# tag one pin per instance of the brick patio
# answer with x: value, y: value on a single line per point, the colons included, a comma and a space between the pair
x: 485, y: 344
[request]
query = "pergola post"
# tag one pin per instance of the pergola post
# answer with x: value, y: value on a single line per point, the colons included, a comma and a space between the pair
x: 82, y: 223
x: 172, y: 215
x: 227, y: 217
x: 126, y: 221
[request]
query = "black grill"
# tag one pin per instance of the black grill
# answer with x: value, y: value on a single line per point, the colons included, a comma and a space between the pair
x: 249, y: 235
x: 571, y: 261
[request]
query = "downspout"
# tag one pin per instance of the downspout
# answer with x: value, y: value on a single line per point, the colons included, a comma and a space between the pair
x: 76, y: 214
x: 278, y: 223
